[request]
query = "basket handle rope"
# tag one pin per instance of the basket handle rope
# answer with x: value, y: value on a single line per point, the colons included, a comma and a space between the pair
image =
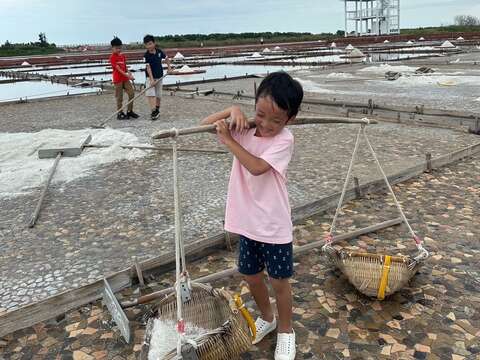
x: 182, y: 284
x: 423, y: 253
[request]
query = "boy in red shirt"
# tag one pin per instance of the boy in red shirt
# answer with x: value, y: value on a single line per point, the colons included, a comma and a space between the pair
x: 121, y: 80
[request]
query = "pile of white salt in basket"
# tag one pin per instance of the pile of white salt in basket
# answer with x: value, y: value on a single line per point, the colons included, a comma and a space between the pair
x: 164, y: 337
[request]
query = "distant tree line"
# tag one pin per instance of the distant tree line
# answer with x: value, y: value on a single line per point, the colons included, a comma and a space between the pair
x: 219, y: 39
x: 467, y: 20
x: 40, y: 47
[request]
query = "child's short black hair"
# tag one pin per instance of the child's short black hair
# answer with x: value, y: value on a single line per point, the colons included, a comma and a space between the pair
x: 116, y: 42
x: 148, y: 38
x: 284, y: 90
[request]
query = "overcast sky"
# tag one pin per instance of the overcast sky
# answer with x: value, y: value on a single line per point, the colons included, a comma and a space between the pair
x: 96, y: 21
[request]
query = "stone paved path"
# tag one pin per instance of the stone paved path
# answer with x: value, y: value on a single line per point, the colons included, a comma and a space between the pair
x: 436, y: 317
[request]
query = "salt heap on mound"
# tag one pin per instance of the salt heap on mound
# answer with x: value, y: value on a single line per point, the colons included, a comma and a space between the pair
x: 447, y: 45
x: 26, y: 63
x: 386, y: 42
x: 349, y: 47
x: 277, y: 48
x: 185, y: 68
x: 256, y: 55
x: 409, y: 42
x: 266, y: 50
x: 333, y: 45
x: 422, y: 39
x: 178, y: 56
x: 460, y: 38
x: 355, y: 53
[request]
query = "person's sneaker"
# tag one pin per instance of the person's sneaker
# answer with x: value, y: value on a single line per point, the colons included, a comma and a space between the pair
x: 155, y: 114
x: 132, y: 115
x: 263, y: 329
x: 285, y: 349
x: 121, y: 116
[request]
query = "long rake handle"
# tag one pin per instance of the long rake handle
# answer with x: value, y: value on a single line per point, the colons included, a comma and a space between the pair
x: 35, y: 214
x: 164, y: 134
x: 129, y: 102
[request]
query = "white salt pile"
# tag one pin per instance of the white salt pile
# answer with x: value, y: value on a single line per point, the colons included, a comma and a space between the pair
x: 340, y: 75
x: 355, y: 53
x: 164, y: 337
x: 382, y: 69
x: 349, y: 47
x: 386, y: 42
x: 266, y: 50
x: 178, y: 56
x: 312, y: 86
x: 256, y: 55
x: 333, y: 45
x: 21, y: 170
x: 447, y: 45
x: 184, y: 69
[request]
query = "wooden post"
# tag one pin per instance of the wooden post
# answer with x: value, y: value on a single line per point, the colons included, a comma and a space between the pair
x: 138, y: 269
x: 428, y: 157
x: 255, y: 88
x: 34, y: 218
x: 358, y: 191
x: 370, y: 106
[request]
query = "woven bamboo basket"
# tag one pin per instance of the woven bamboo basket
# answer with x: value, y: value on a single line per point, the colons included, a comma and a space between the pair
x: 374, y: 275
x: 229, y: 332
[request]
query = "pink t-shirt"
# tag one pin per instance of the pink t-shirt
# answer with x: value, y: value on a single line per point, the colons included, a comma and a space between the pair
x: 257, y: 206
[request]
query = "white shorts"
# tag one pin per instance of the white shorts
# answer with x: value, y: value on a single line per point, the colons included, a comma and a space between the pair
x: 155, y: 91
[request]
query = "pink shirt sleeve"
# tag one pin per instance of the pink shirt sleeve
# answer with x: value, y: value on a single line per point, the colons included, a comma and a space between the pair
x: 278, y: 155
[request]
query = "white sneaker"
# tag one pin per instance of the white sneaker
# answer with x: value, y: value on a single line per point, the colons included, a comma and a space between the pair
x: 285, y: 349
x: 263, y: 329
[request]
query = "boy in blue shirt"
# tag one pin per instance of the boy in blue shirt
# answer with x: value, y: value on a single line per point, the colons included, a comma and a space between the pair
x: 154, y: 72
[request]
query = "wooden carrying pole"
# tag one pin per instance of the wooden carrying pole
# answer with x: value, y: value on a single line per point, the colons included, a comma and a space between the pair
x: 299, y: 250
x: 298, y: 121
x: 34, y: 218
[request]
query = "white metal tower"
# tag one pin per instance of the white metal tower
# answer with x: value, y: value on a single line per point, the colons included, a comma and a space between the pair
x: 372, y: 17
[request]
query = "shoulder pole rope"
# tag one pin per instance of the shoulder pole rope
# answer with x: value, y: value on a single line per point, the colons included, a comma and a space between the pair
x: 111, y: 116
x: 182, y: 284
x: 423, y: 253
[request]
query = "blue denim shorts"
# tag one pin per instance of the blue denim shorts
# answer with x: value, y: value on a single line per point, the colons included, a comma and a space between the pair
x: 255, y: 256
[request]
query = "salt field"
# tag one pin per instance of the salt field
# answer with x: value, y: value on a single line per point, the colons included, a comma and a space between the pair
x: 29, y: 90
x: 212, y: 72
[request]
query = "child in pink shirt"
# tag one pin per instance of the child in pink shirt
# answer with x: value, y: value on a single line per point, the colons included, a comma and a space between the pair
x: 257, y: 202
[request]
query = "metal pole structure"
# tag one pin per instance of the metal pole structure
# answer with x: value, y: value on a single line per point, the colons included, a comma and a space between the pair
x: 398, y: 16
x: 356, y: 18
x: 379, y: 6
x: 361, y: 17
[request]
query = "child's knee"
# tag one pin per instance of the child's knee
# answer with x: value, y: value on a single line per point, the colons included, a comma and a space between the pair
x: 255, y: 280
x: 280, y: 285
